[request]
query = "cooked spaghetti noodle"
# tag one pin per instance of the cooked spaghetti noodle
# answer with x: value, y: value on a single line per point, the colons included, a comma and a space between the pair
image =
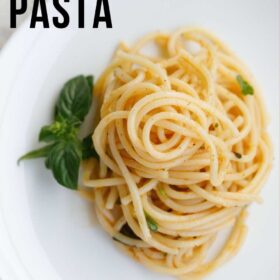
x: 182, y: 151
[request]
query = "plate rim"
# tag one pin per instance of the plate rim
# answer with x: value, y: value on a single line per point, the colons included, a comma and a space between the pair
x: 17, y: 268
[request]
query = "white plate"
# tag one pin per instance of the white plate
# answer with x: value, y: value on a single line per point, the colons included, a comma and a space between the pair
x: 48, y: 232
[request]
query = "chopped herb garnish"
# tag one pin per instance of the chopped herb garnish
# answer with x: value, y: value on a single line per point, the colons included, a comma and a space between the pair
x: 127, y: 231
x: 238, y: 155
x: 162, y: 191
x: 213, y: 126
x: 117, y: 240
x: 246, y: 88
x: 151, y: 223
x: 65, y: 150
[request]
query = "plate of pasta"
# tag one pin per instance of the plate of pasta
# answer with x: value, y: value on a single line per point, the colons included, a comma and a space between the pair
x: 145, y: 151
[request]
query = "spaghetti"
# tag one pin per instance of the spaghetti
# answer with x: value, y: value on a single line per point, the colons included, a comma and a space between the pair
x: 183, y: 150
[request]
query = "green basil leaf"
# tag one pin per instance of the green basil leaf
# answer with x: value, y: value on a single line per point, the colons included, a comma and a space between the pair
x: 90, y: 80
x: 246, y: 88
x: 88, y: 150
x: 64, y: 161
x: 53, y: 131
x: 127, y: 231
x: 47, y: 163
x: 39, y: 153
x: 75, y: 99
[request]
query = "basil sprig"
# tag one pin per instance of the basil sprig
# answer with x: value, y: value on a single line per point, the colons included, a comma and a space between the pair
x: 65, y: 150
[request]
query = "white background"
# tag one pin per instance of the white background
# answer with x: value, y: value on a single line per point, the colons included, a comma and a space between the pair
x: 5, y: 30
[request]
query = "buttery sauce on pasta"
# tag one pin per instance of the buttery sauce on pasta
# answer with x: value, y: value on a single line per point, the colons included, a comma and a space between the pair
x: 182, y: 151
